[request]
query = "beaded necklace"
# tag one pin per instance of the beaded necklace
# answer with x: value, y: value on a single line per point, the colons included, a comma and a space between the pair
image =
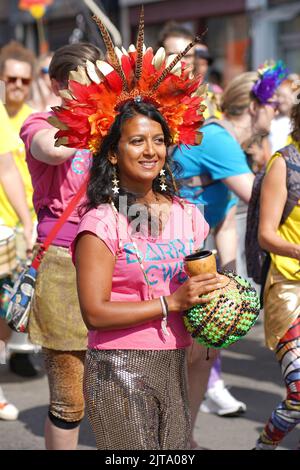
x: 136, y: 250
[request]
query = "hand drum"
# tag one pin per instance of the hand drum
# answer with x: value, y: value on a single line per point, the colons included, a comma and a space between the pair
x: 229, y: 314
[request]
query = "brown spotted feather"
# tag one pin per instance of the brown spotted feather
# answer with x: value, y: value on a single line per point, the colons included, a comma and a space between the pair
x: 111, y: 53
x: 139, y: 47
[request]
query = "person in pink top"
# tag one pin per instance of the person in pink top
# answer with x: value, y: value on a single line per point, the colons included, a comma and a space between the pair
x: 131, y: 242
x: 55, y: 320
x: 133, y: 289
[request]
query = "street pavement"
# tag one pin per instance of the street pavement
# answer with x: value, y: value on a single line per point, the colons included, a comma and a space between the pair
x: 249, y: 369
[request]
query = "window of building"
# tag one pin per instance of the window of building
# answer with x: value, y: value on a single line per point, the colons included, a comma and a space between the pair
x: 228, y: 41
x: 289, y: 43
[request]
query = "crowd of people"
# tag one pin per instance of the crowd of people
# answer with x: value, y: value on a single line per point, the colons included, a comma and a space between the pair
x: 108, y: 303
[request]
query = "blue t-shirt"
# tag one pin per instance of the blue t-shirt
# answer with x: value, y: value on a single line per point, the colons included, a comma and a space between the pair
x: 218, y: 156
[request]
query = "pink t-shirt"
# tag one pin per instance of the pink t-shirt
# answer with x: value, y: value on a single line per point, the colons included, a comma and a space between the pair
x: 65, y: 235
x: 162, y: 257
x: 54, y: 185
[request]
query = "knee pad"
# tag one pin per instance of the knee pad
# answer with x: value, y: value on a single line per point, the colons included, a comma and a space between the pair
x: 62, y: 423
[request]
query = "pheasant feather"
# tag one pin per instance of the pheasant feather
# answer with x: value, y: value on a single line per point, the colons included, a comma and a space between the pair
x: 111, y: 53
x: 139, y: 47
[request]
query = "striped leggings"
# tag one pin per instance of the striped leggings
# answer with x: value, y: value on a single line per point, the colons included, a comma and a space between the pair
x: 287, y: 414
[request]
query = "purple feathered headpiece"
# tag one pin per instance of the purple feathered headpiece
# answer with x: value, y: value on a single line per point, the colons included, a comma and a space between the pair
x: 270, y: 77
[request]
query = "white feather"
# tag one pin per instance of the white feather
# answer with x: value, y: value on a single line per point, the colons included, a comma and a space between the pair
x: 131, y: 48
x: 159, y: 58
x: 118, y: 53
x: 92, y: 72
x: 104, y: 67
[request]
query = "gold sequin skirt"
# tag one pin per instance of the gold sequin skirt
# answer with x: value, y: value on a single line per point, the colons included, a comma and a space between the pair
x: 281, y: 306
x: 137, y: 400
x: 55, y: 320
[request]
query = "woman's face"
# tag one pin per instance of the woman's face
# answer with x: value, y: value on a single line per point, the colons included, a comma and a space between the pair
x: 285, y: 99
x: 264, y: 115
x: 141, y: 153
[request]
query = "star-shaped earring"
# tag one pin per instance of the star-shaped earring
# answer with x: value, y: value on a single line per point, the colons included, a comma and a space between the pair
x: 115, y: 181
x: 162, y: 180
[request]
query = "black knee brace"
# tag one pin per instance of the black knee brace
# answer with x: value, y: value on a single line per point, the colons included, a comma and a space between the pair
x: 61, y: 423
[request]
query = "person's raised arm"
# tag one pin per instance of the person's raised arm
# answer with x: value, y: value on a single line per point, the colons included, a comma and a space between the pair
x: 13, y: 186
x: 94, y: 267
x: 43, y: 148
x: 241, y: 185
x: 272, y: 202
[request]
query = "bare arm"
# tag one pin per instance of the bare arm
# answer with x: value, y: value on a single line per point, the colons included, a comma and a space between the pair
x: 272, y: 202
x: 43, y: 148
x: 241, y: 185
x: 13, y: 186
x: 95, y: 265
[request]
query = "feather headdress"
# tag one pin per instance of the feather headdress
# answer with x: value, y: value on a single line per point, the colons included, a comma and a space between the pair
x: 96, y: 93
x: 270, y: 77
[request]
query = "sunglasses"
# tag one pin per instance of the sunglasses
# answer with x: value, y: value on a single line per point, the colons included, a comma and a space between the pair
x: 45, y: 70
x: 175, y: 53
x: 273, y: 104
x: 25, y: 81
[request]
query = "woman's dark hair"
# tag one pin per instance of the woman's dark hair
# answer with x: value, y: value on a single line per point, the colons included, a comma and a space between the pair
x: 296, y: 121
x: 99, y: 189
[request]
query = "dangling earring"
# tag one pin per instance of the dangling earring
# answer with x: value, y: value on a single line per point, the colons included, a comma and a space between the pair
x: 162, y: 180
x: 115, y: 181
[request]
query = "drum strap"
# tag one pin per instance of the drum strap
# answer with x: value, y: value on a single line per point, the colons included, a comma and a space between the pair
x: 56, y: 228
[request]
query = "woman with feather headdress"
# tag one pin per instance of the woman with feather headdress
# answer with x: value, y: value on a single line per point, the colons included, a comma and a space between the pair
x: 132, y: 239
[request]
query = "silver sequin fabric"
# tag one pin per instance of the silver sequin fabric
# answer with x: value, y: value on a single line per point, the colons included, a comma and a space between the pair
x: 137, y: 399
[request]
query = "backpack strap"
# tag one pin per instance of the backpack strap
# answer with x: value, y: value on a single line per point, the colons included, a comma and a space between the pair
x: 59, y: 224
x: 222, y: 123
x: 291, y: 157
x: 205, y: 179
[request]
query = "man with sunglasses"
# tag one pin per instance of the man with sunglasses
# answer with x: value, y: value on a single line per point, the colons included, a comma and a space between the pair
x: 16, y: 73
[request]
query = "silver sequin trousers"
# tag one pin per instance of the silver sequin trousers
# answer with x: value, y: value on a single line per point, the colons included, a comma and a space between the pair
x: 137, y: 400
